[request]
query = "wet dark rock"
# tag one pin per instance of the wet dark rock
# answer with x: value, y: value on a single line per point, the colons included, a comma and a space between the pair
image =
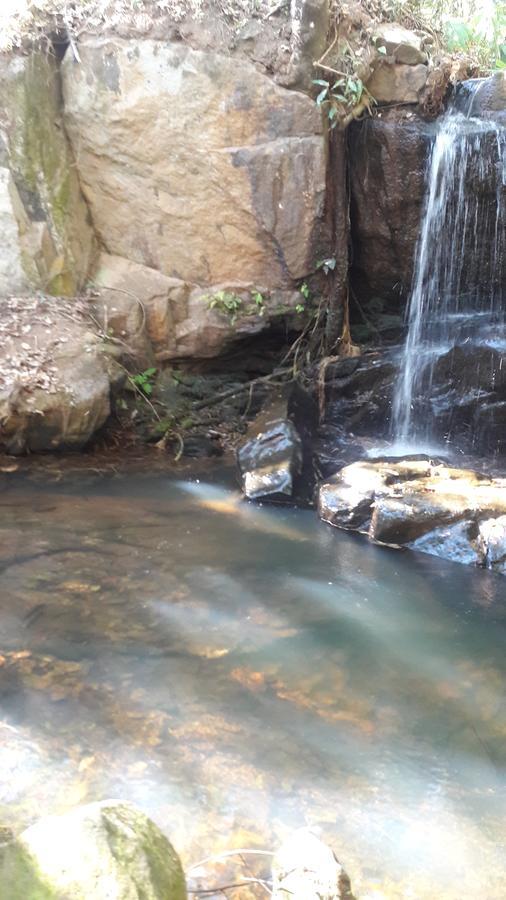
x: 423, y: 504
x: 200, y: 446
x: 489, y: 428
x: 483, y: 97
x: 276, y: 460
x: 388, y: 155
x: 471, y: 367
x: 359, y: 396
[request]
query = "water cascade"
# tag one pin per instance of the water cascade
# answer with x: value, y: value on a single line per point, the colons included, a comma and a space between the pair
x: 457, y: 298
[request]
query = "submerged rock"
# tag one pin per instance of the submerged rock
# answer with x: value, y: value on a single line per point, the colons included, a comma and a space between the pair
x: 102, y: 851
x: 452, y: 513
x: 306, y: 869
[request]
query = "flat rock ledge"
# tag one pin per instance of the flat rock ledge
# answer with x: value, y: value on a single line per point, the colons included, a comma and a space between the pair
x: 456, y: 514
x: 101, y: 851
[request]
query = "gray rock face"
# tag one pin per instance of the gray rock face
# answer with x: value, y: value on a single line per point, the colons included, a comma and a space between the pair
x: 102, y: 851
x: 452, y: 513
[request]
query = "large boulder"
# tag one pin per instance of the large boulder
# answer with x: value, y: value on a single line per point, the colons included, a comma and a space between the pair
x: 102, y: 851
x: 201, y: 169
x: 422, y: 504
x: 55, y: 377
x: 47, y: 239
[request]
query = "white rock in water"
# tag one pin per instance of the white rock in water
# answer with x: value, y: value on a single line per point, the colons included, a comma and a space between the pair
x: 306, y: 869
x: 101, y: 851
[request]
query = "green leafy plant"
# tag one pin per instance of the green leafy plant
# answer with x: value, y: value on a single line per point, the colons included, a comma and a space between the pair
x: 259, y: 301
x: 300, y: 308
x: 304, y: 290
x: 328, y: 265
x: 342, y: 95
x: 143, y: 381
x: 225, y: 302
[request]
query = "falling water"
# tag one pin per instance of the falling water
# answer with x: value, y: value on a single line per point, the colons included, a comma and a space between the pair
x: 457, y: 284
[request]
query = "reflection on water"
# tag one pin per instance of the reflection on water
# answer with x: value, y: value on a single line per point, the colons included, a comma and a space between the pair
x: 237, y: 671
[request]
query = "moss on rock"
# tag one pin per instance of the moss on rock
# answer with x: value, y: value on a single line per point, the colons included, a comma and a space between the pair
x: 59, y: 242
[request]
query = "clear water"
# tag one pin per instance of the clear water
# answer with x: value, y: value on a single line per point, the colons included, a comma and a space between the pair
x: 457, y: 293
x: 238, y: 671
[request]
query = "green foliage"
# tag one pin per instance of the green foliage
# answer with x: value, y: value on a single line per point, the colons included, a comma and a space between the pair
x: 259, y: 301
x: 225, y: 302
x: 304, y: 290
x: 344, y: 94
x: 230, y: 304
x: 143, y: 381
x: 474, y: 27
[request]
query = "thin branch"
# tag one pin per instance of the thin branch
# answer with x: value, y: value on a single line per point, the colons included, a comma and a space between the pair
x: 227, y: 853
x: 225, y: 395
x: 202, y: 892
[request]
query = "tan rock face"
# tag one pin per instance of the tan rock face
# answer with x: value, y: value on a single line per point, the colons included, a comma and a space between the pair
x: 402, y: 45
x: 50, y: 241
x: 156, y: 318
x: 195, y: 164
x: 397, y: 83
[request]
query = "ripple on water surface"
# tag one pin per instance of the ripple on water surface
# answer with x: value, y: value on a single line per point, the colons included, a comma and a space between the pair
x: 238, y: 670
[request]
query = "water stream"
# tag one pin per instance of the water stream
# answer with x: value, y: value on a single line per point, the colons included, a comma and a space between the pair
x: 238, y: 671
x: 457, y: 296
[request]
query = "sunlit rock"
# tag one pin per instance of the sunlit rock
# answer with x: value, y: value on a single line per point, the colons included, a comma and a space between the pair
x: 306, y: 869
x: 102, y: 851
x: 493, y: 542
x: 453, y: 513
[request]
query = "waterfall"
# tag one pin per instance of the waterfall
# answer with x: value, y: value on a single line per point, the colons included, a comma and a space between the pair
x: 457, y: 289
